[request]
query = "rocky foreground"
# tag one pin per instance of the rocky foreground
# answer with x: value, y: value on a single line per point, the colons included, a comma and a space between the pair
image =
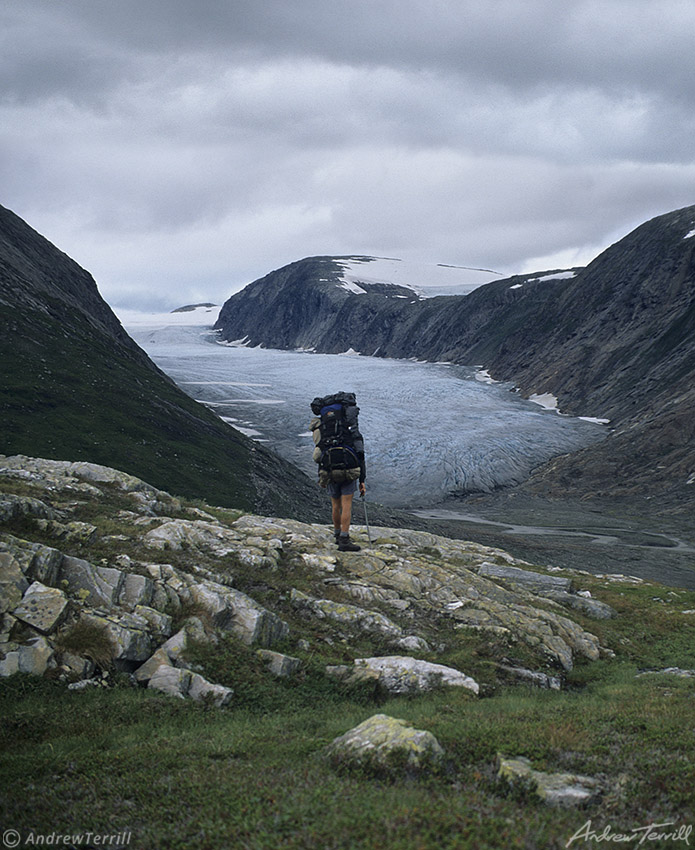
x: 146, y: 562
x: 105, y: 577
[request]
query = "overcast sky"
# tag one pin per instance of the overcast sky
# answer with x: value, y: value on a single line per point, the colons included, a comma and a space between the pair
x: 179, y: 149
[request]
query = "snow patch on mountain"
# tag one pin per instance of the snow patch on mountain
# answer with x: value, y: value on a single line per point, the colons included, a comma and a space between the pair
x: 425, y: 279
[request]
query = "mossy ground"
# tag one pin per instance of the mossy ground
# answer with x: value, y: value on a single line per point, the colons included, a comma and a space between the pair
x: 253, y: 775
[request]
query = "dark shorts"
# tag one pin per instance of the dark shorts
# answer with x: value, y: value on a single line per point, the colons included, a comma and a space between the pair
x: 336, y: 489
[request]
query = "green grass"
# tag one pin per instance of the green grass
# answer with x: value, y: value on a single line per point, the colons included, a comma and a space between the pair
x: 254, y: 775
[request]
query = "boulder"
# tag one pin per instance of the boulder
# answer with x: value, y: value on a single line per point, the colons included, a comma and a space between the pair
x: 535, y: 678
x: 136, y: 590
x: 401, y: 674
x: 584, y: 604
x: 35, y: 656
x: 180, y: 683
x: 13, y: 583
x: 43, y: 608
x: 383, y: 742
x: 201, y: 690
x: 171, y: 651
x: 16, y: 507
x: 37, y: 562
x: 556, y: 789
x: 233, y: 611
x: 76, y: 664
x: 413, y: 643
x: 159, y: 623
x: 279, y: 665
x: 93, y: 585
x: 173, y: 681
x: 128, y: 633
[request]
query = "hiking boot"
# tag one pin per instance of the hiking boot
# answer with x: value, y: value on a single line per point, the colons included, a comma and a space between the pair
x: 346, y: 545
x: 336, y: 532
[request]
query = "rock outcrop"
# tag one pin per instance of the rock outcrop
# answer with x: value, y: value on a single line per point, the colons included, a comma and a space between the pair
x: 153, y: 559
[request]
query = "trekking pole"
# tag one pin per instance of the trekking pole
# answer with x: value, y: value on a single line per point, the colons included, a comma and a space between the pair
x: 366, y: 519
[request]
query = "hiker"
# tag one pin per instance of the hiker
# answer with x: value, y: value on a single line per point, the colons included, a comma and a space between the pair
x: 339, y: 453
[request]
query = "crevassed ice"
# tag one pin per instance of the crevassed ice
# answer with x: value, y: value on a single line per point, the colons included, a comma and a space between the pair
x: 430, y: 430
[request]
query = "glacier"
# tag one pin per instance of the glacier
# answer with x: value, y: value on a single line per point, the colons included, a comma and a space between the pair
x: 432, y: 430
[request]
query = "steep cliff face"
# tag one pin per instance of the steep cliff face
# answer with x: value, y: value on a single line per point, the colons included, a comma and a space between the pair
x: 75, y: 386
x: 623, y: 330
x: 614, y: 340
x: 619, y: 342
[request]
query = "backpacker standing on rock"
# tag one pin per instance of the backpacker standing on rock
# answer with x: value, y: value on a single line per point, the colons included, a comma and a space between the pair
x: 339, y: 453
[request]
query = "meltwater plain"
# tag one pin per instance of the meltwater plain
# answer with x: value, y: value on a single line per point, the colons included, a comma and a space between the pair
x: 431, y: 430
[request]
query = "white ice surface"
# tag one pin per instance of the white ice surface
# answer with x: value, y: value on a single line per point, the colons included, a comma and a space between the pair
x: 135, y: 318
x: 430, y: 430
x: 425, y: 279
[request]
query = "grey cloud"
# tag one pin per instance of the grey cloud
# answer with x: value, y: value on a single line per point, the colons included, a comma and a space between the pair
x: 184, y: 148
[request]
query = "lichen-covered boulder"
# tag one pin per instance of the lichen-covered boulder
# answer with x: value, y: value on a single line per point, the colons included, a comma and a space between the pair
x: 401, y: 674
x: 34, y: 656
x: 128, y: 633
x: 593, y: 608
x: 43, y: 608
x: 278, y: 664
x: 92, y: 585
x: 37, y: 562
x: 528, y: 580
x: 136, y: 590
x: 556, y: 789
x: 173, y: 681
x: 345, y: 614
x: 386, y: 743
x: 235, y: 612
x: 171, y: 652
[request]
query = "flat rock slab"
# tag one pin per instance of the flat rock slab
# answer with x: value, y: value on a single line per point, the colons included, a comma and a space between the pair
x: 525, y: 579
x: 556, y: 789
x: 385, y: 742
x: 42, y: 608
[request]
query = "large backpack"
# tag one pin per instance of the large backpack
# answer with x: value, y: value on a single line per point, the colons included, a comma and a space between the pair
x: 335, y: 435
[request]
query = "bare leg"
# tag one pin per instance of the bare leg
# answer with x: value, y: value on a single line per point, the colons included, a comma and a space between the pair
x: 336, y: 510
x: 342, y: 513
x: 345, y: 513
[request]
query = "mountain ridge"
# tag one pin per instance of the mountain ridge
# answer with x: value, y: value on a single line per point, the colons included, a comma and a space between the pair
x: 615, y: 340
x: 76, y: 387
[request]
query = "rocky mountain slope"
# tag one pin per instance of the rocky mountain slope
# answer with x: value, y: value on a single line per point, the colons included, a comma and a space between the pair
x: 615, y: 340
x: 75, y: 386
